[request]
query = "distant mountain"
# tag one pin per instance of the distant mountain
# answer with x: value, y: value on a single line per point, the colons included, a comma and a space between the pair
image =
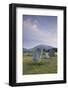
x: 27, y: 50
x: 45, y: 47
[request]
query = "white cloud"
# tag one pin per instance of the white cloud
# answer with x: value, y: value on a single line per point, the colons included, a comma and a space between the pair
x: 31, y: 25
x: 42, y: 36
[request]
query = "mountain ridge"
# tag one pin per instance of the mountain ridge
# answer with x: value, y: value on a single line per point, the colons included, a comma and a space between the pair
x: 41, y: 46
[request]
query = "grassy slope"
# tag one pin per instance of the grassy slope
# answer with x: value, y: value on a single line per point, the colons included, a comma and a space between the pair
x: 45, y: 66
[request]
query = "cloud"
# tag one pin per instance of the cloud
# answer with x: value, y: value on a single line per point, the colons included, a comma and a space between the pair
x: 31, y: 25
x: 36, y: 35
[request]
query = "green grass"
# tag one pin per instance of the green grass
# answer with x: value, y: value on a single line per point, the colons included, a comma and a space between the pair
x: 43, y: 67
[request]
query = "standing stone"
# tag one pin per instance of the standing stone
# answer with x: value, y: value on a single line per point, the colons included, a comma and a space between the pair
x: 36, y: 55
x: 47, y: 55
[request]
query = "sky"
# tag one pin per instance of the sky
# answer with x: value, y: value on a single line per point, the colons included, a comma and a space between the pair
x: 39, y: 30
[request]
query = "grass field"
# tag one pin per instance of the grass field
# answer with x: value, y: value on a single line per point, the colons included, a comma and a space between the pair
x: 43, y: 67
